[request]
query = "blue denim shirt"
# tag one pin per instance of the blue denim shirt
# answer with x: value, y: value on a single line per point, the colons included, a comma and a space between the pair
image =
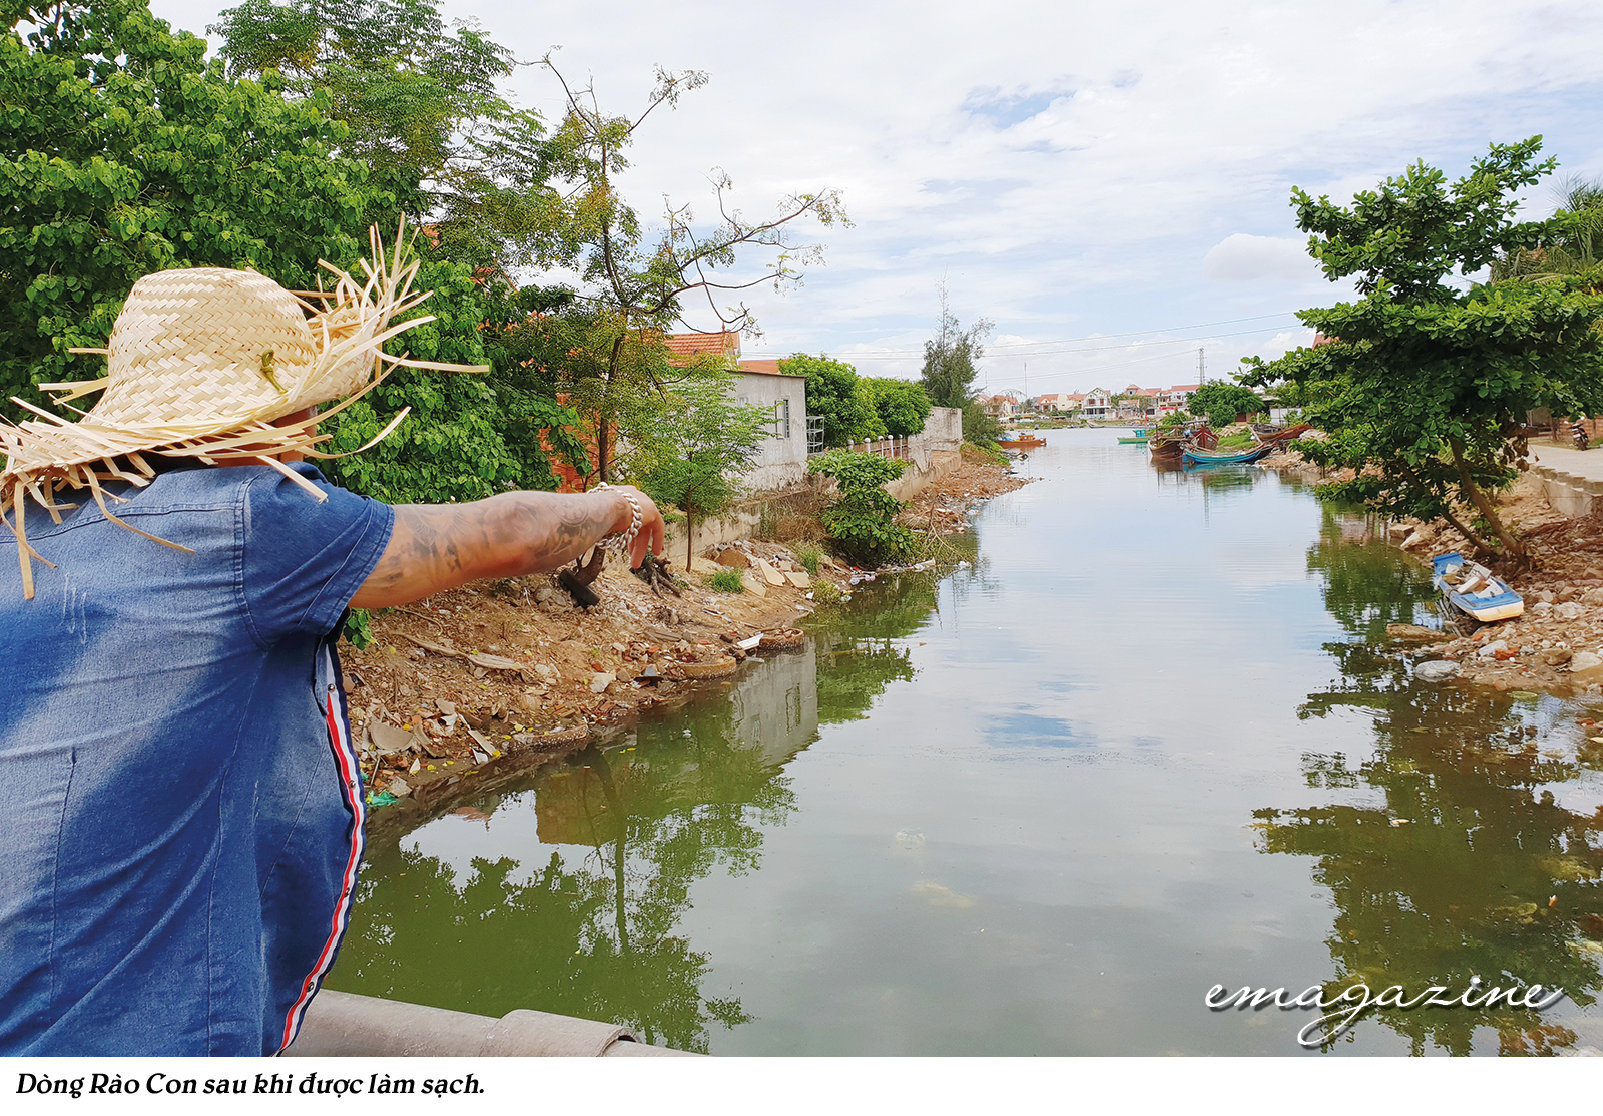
x: 180, y: 804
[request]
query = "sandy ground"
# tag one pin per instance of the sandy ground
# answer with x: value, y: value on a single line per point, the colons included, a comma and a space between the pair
x: 471, y: 683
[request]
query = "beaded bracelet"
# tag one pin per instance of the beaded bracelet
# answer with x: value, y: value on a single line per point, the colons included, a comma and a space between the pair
x: 621, y: 542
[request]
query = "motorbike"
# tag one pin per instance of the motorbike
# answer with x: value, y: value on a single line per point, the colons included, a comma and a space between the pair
x: 1579, y: 436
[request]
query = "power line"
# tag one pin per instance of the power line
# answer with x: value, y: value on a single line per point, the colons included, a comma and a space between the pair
x: 888, y: 353
x: 1096, y: 348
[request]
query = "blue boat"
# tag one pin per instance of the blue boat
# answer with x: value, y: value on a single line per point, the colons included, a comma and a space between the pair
x: 1471, y: 588
x: 1196, y: 455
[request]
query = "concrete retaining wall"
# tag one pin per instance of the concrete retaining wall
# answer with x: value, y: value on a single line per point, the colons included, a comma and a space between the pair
x: 340, y: 1025
x: 1570, y: 496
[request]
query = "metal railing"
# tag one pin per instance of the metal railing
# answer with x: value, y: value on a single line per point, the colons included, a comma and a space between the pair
x: 815, y: 434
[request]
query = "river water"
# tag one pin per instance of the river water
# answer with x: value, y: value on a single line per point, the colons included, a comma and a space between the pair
x: 1150, y: 741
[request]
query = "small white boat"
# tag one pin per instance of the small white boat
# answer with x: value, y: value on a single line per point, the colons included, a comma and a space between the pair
x: 1471, y: 588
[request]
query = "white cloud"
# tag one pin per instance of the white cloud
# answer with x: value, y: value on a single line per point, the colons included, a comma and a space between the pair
x: 1241, y: 257
x: 1065, y: 167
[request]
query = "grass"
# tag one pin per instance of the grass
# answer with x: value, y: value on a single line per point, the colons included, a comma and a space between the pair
x: 808, y: 554
x: 727, y: 581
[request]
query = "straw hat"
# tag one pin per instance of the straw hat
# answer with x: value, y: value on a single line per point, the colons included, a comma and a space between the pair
x: 200, y: 364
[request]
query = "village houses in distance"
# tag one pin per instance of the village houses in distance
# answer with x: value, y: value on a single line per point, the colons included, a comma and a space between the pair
x: 1132, y: 403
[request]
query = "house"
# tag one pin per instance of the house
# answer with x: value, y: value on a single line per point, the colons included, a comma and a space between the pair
x: 782, y: 463
x: 1174, y: 399
x: 1002, y: 406
x: 1098, y: 404
x: 1138, y: 402
x: 1060, y: 402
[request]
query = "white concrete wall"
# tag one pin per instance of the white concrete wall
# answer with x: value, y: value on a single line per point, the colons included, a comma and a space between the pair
x: 782, y: 463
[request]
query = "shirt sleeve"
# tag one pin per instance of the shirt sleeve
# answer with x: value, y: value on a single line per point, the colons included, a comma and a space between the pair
x: 303, y: 559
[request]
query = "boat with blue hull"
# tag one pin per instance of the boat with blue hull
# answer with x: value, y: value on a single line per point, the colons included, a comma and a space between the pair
x: 1471, y: 588
x: 1196, y: 455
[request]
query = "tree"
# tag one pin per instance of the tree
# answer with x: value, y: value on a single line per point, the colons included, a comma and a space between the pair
x: 1575, y: 244
x: 901, y: 405
x: 468, y: 436
x: 705, y: 441
x: 979, y: 425
x: 1222, y: 403
x: 834, y: 393
x: 1429, y: 376
x: 124, y: 153
x: 949, y: 360
x: 422, y: 109
x: 635, y: 286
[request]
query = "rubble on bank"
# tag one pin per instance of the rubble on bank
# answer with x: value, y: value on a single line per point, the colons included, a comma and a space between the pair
x: 1557, y: 645
x: 466, y: 678
x: 465, y: 686
x: 944, y: 508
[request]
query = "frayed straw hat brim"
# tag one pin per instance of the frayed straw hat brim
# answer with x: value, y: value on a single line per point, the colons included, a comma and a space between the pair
x: 201, y: 363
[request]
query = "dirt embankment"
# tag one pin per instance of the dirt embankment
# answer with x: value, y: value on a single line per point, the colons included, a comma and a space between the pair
x: 1549, y: 647
x: 475, y: 681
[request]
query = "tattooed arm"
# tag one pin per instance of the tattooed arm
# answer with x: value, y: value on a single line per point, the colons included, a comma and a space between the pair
x: 440, y: 546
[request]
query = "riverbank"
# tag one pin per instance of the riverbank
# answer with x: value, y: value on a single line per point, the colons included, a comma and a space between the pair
x: 1557, y: 645
x: 468, y: 685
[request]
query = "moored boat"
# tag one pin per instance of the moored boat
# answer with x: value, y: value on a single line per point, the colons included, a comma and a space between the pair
x: 1195, y: 455
x: 1023, y: 442
x: 1472, y: 589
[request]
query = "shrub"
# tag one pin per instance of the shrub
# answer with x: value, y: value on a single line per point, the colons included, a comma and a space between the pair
x: 727, y: 581
x: 861, y: 523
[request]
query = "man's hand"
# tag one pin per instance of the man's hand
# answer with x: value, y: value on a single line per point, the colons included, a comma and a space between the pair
x: 440, y: 546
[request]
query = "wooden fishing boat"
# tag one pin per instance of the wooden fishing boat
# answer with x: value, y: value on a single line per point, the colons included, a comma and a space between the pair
x: 1266, y: 433
x: 1193, y: 454
x: 1022, y: 442
x: 1470, y: 588
x: 1168, y: 445
x: 1137, y: 437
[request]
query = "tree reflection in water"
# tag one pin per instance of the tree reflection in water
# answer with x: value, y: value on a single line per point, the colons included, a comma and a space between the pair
x: 586, y: 921
x: 1451, y: 871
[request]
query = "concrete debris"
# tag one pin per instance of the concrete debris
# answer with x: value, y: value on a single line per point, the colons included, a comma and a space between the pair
x: 1437, y: 670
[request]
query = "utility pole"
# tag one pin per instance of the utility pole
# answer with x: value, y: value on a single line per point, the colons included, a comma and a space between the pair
x: 1202, y: 367
x: 1026, y: 383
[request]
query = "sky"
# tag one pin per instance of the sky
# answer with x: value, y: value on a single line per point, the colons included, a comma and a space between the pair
x: 1108, y: 183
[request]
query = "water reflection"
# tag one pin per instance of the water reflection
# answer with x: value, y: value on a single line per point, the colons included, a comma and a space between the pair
x: 1445, y: 850
x: 565, y: 892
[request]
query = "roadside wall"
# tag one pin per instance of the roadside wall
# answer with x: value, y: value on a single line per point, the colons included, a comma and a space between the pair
x: 1571, y: 496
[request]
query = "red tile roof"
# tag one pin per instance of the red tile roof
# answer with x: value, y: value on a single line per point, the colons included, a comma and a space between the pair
x: 686, y: 345
x: 766, y: 367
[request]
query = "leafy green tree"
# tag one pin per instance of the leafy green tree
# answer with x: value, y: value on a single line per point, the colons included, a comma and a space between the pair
x: 468, y: 435
x: 704, y: 442
x: 949, y: 359
x: 1222, y: 403
x: 834, y: 392
x: 1572, y: 247
x: 861, y: 521
x: 902, y: 405
x: 634, y: 284
x: 1430, y: 376
x: 422, y: 108
x: 123, y: 152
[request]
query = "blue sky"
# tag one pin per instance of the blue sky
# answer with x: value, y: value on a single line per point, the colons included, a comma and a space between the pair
x: 1076, y: 173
